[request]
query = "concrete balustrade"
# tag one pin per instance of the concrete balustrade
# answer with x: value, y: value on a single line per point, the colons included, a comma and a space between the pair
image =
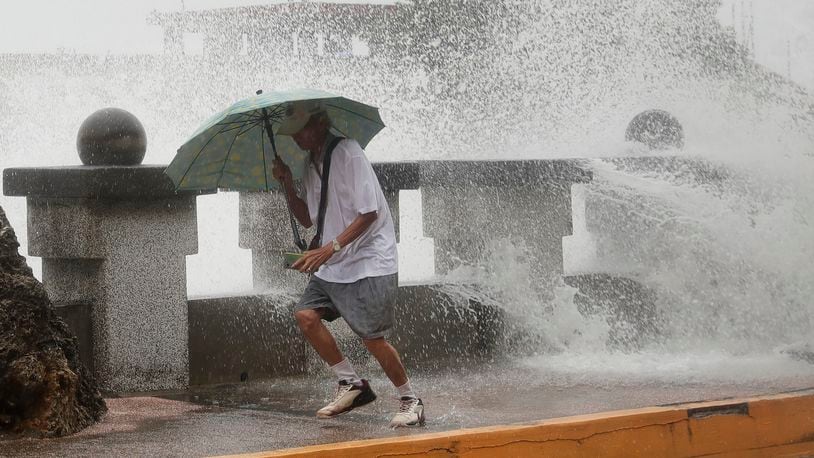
x: 114, y: 240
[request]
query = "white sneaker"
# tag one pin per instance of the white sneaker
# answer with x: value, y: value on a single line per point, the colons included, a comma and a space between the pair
x: 348, y: 397
x: 411, y: 413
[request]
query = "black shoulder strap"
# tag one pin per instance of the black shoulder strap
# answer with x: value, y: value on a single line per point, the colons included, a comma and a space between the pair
x: 316, y: 242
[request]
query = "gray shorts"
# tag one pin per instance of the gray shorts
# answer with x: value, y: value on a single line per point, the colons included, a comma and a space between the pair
x: 366, y: 305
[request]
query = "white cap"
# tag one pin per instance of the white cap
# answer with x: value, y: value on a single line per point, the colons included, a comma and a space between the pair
x: 297, y: 115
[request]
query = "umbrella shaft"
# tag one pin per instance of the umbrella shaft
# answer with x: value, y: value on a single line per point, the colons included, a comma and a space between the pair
x: 294, y: 229
x: 269, y: 132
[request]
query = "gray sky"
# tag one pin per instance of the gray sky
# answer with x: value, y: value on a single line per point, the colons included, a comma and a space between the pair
x: 119, y: 26
x: 97, y: 26
x: 88, y: 26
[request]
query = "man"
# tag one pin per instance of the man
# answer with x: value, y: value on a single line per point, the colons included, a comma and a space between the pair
x: 355, y: 270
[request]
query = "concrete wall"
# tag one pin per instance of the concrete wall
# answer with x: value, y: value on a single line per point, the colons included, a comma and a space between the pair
x: 255, y: 337
x: 233, y: 339
x: 240, y: 338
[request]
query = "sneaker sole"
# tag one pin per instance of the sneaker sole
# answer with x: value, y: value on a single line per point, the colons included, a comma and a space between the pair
x: 363, y: 399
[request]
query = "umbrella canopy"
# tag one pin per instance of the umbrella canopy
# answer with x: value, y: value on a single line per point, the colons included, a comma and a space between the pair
x: 235, y: 149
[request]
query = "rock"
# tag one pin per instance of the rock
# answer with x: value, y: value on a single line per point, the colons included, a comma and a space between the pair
x: 44, y: 389
x: 628, y: 307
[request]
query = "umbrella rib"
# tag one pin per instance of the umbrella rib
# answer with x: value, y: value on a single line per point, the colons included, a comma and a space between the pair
x: 276, y: 114
x: 236, y: 127
x: 250, y: 127
x: 246, y: 118
x: 233, y: 123
x: 277, y: 110
x: 240, y: 117
x: 226, y: 159
x: 197, y: 156
x: 252, y: 117
x: 355, y: 113
x: 255, y: 115
x: 234, y: 139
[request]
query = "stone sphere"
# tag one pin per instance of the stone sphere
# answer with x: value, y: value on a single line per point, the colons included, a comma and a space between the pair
x: 657, y: 129
x: 111, y: 136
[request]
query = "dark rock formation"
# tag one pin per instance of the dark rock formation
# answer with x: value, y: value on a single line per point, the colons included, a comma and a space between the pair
x: 44, y: 389
x: 628, y: 306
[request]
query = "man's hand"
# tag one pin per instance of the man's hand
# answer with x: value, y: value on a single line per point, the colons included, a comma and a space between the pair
x: 312, y: 260
x: 281, y: 172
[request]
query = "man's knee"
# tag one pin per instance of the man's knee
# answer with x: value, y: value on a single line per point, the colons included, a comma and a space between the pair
x: 378, y: 342
x: 307, y: 319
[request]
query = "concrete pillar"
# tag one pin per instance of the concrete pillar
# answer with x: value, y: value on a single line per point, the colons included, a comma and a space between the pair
x: 265, y: 229
x: 117, y: 238
x: 468, y: 204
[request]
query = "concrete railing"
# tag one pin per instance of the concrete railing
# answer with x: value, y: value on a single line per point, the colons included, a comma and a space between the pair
x: 114, y: 241
x: 464, y: 204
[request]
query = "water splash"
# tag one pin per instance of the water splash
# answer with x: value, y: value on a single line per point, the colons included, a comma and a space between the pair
x: 730, y: 260
x: 490, y: 79
x: 541, y: 313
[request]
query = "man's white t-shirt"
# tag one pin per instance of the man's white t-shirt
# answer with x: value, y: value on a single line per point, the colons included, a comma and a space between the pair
x: 353, y: 190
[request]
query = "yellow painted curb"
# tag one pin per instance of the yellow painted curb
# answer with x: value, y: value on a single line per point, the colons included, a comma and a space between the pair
x: 770, y: 426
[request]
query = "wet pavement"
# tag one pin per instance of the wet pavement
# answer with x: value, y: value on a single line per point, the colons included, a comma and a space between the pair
x: 255, y: 416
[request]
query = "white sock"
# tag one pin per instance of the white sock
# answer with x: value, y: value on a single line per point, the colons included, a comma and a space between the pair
x: 406, y: 391
x: 344, y: 371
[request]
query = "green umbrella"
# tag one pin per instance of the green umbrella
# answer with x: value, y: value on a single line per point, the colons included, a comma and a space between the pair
x: 235, y: 149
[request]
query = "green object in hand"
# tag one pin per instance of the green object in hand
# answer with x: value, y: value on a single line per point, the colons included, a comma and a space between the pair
x: 291, y: 258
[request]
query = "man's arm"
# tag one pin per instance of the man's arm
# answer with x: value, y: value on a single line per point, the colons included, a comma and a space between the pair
x: 300, y: 209
x: 298, y: 206
x: 356, y: 228
x: 314, y: 259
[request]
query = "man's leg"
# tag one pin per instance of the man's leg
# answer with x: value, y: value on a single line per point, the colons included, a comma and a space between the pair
x: 388, y: 358
x: 310, y: 322
x: 411, y: 410
x: 352, y: 392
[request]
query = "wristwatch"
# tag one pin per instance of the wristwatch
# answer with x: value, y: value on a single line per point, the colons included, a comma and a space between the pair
x: 336, y: 245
